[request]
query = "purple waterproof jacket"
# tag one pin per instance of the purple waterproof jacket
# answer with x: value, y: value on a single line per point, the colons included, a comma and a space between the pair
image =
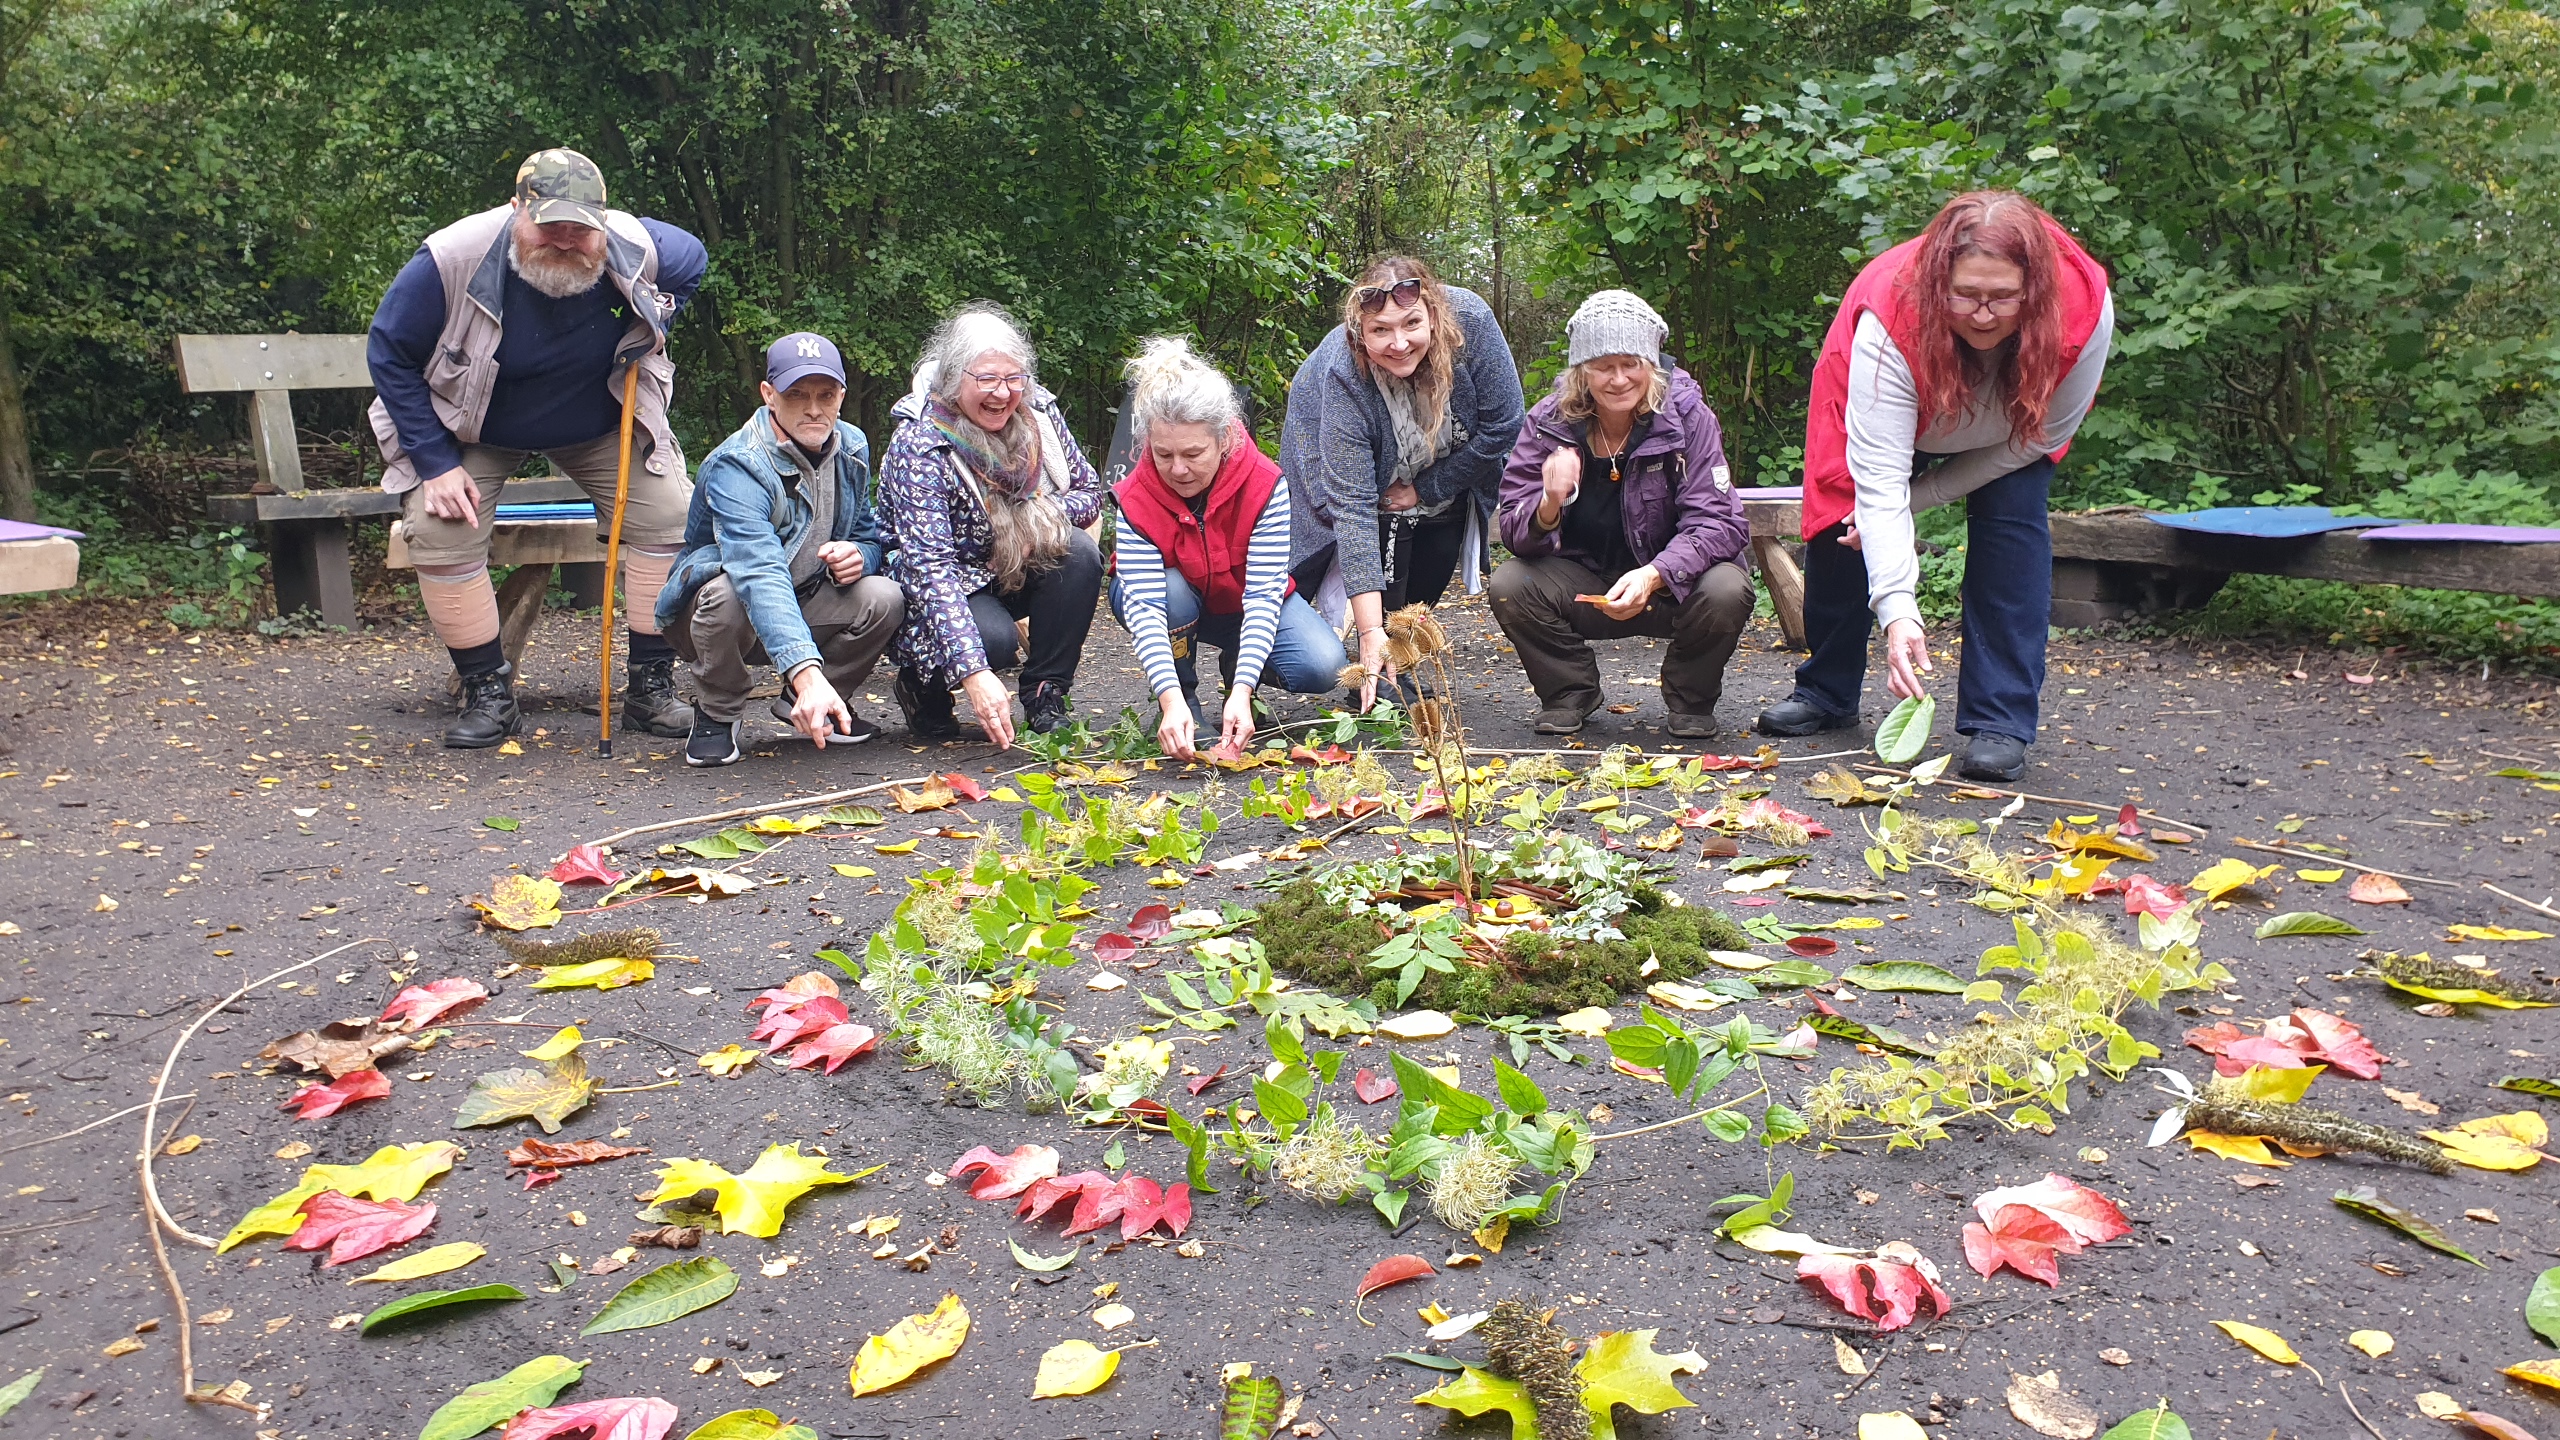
x: 1677, y: 498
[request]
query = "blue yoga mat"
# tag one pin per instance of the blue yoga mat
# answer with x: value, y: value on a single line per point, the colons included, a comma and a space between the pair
x: 2269, y: 522
x: 548, y: 510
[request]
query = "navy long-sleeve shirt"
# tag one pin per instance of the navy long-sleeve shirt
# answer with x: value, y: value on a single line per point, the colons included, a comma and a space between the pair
x: 553, y: 355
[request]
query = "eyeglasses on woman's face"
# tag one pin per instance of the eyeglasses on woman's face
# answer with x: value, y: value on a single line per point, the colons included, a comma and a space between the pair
x: 1966, y: 307
x: 1374, y: 298
x: 999, y: 382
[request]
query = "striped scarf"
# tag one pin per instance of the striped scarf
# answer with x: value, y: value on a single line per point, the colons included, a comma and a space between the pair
x: 1013, y: 476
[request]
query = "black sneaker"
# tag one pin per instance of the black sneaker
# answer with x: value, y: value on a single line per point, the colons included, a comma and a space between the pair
x: 1988, y: 756
x: 712, y: 742
x: 489, y: 712
x: 927, y: 707
x: 1801, y: 717
x: 1046, y: 707
x: 838, y: 735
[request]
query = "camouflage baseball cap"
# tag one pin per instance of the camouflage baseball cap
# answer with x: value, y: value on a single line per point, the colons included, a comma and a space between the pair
x: 561, y: 185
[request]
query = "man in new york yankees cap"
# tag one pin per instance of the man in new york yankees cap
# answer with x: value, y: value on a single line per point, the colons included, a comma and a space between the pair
x: 508, y: 334
x: 782, y: 564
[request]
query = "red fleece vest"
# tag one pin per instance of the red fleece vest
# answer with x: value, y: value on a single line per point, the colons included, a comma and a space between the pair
x: 1209, y: 549
x: 1829, y: 492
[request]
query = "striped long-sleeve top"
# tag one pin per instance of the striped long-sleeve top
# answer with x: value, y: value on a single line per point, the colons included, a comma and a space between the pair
x: 1266, y: 584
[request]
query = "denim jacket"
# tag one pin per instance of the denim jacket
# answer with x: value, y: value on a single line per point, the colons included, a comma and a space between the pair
x: 748, y: 516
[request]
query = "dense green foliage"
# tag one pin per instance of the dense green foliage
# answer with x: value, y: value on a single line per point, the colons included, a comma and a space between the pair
x: 2330, y: 222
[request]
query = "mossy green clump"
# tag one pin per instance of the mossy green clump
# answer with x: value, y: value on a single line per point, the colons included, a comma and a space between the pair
x: 1304, y: 936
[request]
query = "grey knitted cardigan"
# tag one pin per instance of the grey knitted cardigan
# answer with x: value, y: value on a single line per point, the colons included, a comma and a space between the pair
x: 1338, y: 447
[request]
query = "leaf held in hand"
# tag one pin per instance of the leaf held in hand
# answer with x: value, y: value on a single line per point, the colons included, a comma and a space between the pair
x: 2304, y: 922
x: 670, y: 1292
x: 489, y: 1403
x: 1074, y: 1367
x: 909, y: 1346
x: 2363, y: 1201
x: 2266, y: 1342
x: 438, y: 1261
x: 1905, y: 731
x: 435, y: 1300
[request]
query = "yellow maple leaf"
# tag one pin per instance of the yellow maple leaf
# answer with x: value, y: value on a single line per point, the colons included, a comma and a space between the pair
x: 2496, y: 1142
x: 394, y: 1172
x: 2248, y: 1149
x: 2226, y: 875
x: 521, y: 902
x: 752, y: 1203
x: 729, y: 1059
x: 910, y: 1345
x: 599, y: 974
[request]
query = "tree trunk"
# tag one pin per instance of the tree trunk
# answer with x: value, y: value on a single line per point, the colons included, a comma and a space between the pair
x: 17, y: 458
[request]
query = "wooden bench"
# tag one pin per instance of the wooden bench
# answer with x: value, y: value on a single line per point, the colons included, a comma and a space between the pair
x: 31, y: 561
x: 308, y: 531
x: 2112, y: 565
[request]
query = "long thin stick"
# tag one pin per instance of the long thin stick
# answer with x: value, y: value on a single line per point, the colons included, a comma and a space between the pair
x: 2352, y: 1410
x: 155, y: 1215
x: 2348, y: 864
x: 2528, y: 904
x: 2153, y: 815
x: 92, y: 1125
x: 763, y: 807
x: 612, y: 561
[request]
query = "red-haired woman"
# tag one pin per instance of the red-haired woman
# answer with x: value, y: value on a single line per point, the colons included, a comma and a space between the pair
x: 1961, y: 364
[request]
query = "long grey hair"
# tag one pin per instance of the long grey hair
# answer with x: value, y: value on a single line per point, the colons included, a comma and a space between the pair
x: 1030, y: 530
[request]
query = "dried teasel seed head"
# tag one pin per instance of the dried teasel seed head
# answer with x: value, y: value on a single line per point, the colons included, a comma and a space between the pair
x: 1352, y: 676
x: 1415, y: 625
x: 1402, y: 653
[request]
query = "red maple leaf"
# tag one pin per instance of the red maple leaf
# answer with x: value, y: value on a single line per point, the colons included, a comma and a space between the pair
x: 2146, y: 896
x: 1198, y: 1083
x: 797, y: 991
x: 419, y: 1005
x: 585, y: 865
x: 2331, y: 1039
x: 1045, y: 1194
x: 2126, y: 825
x: 1372, y: 1088
x: 1005, y: 1175
x: 351, y: 1229
x: 2088, y: 1217
x: 813, y: 1016
x: 2023, y: 1238
x: 836, y: 1044
x: 964, y: 787
x: 1887, y: 1289
x: 312, y: 1102
x: 623, y: 1418
x: 1099, y: 1205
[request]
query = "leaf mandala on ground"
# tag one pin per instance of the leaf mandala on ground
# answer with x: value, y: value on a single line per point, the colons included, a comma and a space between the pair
x: 670, y: 1292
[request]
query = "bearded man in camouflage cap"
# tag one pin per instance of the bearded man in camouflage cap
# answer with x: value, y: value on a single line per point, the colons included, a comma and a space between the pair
x: 507, y: 334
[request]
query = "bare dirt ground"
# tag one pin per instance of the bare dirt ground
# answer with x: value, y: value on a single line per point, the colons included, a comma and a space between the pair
x: 184, y: 813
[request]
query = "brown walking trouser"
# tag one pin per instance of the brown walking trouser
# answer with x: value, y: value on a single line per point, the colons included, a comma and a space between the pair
x: 1533, y: 602
x: 852, y: 625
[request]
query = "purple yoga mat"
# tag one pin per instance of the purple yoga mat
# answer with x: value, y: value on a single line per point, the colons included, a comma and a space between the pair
x: 21, y: 530
x: 1771, y: 492
x: 2489, y: 534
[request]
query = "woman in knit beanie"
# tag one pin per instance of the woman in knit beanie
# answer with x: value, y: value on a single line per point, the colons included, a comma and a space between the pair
x: 1620, y: 515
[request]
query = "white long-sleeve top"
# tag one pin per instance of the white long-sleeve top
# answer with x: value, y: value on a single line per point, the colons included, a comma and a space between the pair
x: 1266, y: 583
x: 1884, y: 433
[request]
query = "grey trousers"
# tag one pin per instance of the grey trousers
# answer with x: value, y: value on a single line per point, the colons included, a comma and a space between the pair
x: 852, y: 624
x: 1533, y: 602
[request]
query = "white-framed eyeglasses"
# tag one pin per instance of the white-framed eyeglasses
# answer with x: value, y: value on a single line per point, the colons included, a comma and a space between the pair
x: 1015, y: 381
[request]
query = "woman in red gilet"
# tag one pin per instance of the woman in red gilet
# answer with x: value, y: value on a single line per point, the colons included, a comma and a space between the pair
x: 1961, y: 364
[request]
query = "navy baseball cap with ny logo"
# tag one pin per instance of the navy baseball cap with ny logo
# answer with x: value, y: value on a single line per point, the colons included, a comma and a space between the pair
x: 796, y: 357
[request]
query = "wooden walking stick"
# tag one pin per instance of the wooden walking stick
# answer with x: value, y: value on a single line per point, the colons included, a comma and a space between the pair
x: 613, y: 561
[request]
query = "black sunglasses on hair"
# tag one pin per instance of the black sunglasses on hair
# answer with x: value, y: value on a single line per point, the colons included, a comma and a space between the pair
x: 1374, y: 298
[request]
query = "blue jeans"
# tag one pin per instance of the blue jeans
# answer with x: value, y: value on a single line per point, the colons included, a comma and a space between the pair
x: 1306, y: 656
x: 2008, y: 608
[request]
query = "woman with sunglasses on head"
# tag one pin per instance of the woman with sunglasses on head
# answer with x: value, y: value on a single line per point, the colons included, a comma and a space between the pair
x: 985, y: 496
x: 1398, y: 427
x: 1204, y: 554
x: 1960, y: 365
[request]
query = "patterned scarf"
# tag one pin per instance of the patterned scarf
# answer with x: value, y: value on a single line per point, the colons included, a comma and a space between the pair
x: 1013, y: 476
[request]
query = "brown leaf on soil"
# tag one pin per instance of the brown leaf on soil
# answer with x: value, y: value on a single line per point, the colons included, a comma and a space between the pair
x: 2042, y: 1405
x: 2255, y: 1182
x: 2377, y: 890
x: 340, y: 1047
x: 672, y: 1237
x: 544, y: 1155
x: 934, y: 794
x: 2412, y: 1102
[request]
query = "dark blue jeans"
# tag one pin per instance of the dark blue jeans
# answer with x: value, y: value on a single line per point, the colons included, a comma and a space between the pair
x: 2008, y: 607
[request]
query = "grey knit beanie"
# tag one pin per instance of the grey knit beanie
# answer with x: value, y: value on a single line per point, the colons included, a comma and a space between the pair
x: 1614, y: 322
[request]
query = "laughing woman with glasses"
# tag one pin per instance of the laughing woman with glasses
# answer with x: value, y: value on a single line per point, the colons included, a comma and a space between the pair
x: 985, y: 496
x: 1398, y: 427
x: 1961, y: 364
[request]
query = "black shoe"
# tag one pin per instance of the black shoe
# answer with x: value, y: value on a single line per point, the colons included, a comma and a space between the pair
x: 711, y: 742
x: 1989, y: 756
x: 927, y: 707
x: 836, y: 735
x: 1801, y: 717
x: 1692, y: 727
x: 1046, y: 707
x: 1564, y: 719
x: 489, y: 714
x: 650, y: 703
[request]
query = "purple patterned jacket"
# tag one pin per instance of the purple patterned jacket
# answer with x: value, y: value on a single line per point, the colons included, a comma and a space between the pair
x: 942, y: 538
